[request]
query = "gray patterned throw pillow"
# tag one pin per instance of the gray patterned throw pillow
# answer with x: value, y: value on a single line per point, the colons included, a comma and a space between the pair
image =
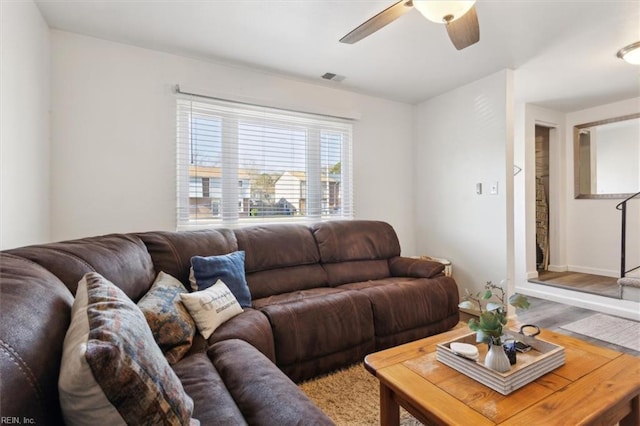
x: 112, y: 371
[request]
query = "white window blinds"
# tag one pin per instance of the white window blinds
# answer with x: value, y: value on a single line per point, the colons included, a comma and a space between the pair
x: 243, y: 163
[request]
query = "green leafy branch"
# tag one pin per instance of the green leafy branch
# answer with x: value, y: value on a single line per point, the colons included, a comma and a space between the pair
x: 488, y: 326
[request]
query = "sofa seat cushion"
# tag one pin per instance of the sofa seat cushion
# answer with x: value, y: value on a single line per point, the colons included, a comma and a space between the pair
x: 263, y: 393
x: 212, y: 402
x: 251, y: 326
x: 401, y: 304
x: 425, y: 330
x: 312, y: 323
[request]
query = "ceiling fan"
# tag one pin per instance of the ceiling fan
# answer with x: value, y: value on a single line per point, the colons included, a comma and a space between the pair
x: 459, y: 17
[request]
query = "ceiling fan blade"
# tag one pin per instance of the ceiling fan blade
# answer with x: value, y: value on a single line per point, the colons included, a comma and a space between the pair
x: 465, y: 30
x: 383, y: 18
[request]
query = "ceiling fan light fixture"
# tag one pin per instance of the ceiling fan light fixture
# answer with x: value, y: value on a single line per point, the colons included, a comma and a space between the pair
x: 443, y: 11
x: 630, y: 53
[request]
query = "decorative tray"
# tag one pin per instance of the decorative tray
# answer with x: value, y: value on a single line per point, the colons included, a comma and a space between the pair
x: 541, y: 359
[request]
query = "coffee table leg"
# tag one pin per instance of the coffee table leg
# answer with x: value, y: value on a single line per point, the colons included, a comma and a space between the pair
x: 389, y: 408
x: 633, y: 418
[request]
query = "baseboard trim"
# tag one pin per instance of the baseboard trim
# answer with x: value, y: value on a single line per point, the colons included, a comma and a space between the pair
x: 532, y: 275
x: 621, y: 308
x: 558, y: 268
x: 594, y: 271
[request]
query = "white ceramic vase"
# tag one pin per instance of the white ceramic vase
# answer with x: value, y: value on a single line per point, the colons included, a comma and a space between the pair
x: 497, y: 359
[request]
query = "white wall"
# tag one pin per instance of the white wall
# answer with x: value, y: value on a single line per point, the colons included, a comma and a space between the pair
x: 465, y: 137
x: 113, y: 136
x: 24, y: 130
x: 593, y: 226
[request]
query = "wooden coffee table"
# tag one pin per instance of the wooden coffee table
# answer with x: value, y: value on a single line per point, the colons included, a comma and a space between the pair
x: 595, y: 386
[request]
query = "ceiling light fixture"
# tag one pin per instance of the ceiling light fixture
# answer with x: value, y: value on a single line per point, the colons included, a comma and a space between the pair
x: 443, y: 11
x: 630, y: 53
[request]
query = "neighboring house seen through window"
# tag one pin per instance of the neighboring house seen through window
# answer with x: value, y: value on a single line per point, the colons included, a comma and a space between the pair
x: 241, y: 163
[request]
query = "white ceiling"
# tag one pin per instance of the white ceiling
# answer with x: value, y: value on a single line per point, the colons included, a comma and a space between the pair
x: 563, y: 51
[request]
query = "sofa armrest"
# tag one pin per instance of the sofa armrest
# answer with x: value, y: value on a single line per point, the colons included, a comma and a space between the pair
x: 262, y: 392
x: 253, y: 327
x: 417, y: 268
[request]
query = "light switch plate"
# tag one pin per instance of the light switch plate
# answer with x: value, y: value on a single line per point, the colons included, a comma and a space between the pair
x: 493, y: 189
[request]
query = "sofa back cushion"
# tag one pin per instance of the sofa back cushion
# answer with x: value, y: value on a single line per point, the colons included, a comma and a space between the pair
x: 355, y: 250
x: 356, y: 271
x: 171, y: 252
x: 280, y: 259
x: 122, y: 259
x: 36, y: 311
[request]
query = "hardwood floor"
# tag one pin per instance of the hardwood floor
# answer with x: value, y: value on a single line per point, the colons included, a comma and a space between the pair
x: 553, y: 316
x: 587, y: 283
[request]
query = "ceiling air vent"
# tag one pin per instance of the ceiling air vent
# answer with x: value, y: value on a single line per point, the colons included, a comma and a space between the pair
x: 333, y: 77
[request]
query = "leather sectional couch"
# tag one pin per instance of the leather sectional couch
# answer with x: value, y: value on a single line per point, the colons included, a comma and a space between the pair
x: 323, y: 296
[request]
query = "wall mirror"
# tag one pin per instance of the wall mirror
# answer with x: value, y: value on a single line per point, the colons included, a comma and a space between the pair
x: 607, y: 157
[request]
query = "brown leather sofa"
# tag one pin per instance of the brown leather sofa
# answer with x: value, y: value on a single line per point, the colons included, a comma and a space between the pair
x: 323, y: 297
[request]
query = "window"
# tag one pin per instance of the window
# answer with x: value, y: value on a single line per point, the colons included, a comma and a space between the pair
x: 241, y: 163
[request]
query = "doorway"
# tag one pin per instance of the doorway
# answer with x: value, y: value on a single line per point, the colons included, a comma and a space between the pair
x: 552, y: 276
x: 542, y: 197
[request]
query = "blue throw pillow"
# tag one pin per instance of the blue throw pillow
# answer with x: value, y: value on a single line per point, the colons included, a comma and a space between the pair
x: 229, y: 268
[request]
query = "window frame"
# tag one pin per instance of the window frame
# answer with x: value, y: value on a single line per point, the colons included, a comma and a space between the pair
x: 233, y: 114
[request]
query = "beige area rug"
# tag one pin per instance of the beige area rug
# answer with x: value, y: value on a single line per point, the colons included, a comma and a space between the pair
x: 618, y: 331
x: 351, y: 397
